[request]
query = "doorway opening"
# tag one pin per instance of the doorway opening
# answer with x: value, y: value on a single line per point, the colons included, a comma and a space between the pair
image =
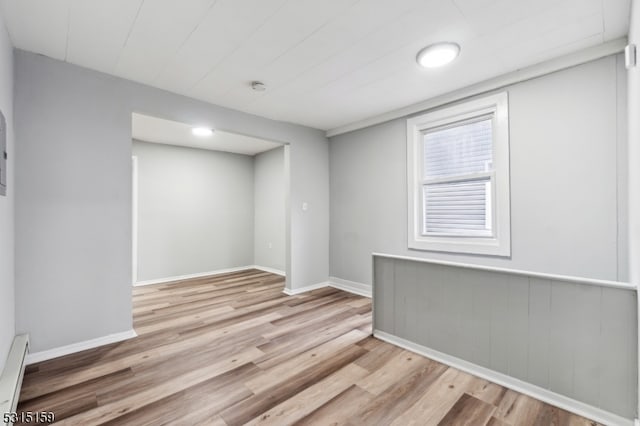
x: 206, y: 201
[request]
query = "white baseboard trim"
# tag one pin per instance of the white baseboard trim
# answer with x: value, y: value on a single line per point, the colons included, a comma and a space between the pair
x: 190, y: 276
x: 268, y: 269
x: 294, y: 291
x: 345, y: 285
x: 351, y: 286
x: 80, y: 346
x: 545, y: 395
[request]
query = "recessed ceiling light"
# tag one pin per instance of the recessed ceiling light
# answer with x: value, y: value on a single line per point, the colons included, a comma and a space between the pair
x: 437, y: 55
x: 202, y: 131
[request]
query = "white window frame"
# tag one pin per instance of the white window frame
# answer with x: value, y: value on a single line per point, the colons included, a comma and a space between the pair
x: 499, y: 243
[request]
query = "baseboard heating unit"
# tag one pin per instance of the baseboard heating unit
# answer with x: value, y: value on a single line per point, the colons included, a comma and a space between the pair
x: 11, y: 378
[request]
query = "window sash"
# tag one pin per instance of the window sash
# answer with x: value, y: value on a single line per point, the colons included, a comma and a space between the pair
x: 488, y: 175
x: 442, y: 164
x: 488, y: 208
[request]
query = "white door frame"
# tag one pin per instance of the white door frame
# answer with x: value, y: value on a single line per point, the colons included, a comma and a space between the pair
x: 134, y: 219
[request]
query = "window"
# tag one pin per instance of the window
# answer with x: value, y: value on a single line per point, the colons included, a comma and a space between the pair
x: 458, y: 176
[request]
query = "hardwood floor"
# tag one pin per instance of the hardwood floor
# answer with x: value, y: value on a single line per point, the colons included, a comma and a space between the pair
x: 233, y: 349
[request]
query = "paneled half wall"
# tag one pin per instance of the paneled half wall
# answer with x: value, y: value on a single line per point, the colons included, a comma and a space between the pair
x: 566, y: 340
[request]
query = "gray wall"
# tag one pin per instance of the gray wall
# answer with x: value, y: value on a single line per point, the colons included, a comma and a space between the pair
x: 270, y: 214
x: 195, y: 210
x: 73, y: 204
x: 7, y: 311
x: 568, y: 181
x: 574, y: 339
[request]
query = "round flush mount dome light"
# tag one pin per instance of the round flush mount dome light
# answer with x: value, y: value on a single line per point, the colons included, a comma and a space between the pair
x: 438, y: 54
x: 202, y: 131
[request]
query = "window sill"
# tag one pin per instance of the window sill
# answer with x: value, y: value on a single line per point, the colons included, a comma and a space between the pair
x: 462, y: 245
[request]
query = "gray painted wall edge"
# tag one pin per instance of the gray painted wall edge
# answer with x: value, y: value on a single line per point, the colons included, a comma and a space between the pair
x: 73, y: 204
x: 195, y: 210
x: 568, y: 182
x: 7, y: 247
x: 270, y: 220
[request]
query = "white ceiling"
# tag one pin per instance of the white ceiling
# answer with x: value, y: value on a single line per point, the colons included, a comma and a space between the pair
x: 326, y: 63
x: 158, y: 130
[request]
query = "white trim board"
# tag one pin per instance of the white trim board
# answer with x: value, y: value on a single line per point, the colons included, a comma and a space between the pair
x: 555, y: 277
x: 354, y: 287
x: 189, y: 276
x: 79, y: 346
x: 294, y: 291
x: 538, y: 70
x: 349, y: 286
x: 134, y: 217
x: 208, y: 273
x: 269, y: 269
x: 544, y: 395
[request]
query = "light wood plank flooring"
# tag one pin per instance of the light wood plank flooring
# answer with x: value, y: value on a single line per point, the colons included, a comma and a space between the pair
x: 233, y: 349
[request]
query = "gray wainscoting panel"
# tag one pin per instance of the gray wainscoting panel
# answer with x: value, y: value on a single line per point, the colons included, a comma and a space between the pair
x: 384, y: 297
x: 578, y: 340
x: 518, y: 314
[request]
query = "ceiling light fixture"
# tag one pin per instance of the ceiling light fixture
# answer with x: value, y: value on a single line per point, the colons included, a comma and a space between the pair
x: 438, y: 54
x: 202, y: 131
